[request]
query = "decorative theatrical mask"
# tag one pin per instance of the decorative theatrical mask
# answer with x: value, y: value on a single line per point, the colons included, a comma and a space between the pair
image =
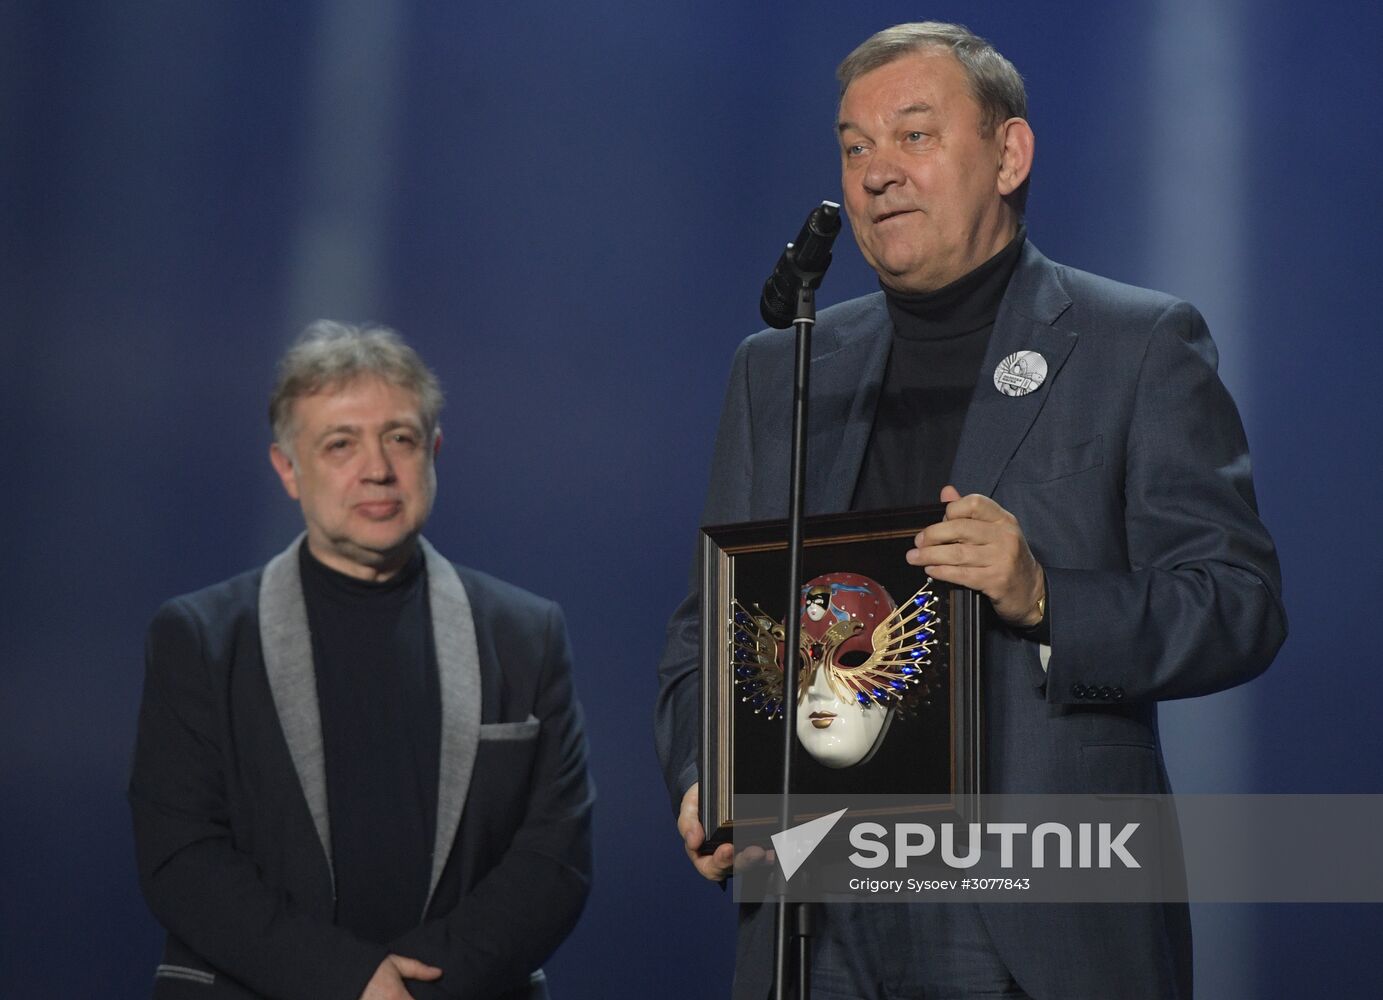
x: 862, y: 657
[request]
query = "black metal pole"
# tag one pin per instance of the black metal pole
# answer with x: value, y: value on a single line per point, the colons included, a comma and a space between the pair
x: 787, y: 921
x: 792, y: 286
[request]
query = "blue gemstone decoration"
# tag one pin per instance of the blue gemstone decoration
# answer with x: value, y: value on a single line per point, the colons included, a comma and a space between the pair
x: 919, y: 600
x: 742, y: 655
x: 741, y: 636
x: 924, y: 617
x: 741, y: 618
x: 916, y: 653
x: 744, y: 671
x: 908, y: 670
x: 879, y: 694
x: 756, y: 702
x: 897, y: 685
x: 862, y: 698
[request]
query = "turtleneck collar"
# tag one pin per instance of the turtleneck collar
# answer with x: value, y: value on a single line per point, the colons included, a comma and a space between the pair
x: 969, y: 303
x: 345, y: 587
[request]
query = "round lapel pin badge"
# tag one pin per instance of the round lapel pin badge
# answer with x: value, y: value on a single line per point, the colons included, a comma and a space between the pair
x: 1020, y: 373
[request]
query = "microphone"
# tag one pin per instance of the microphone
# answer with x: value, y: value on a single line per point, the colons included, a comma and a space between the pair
x: 802, y: 265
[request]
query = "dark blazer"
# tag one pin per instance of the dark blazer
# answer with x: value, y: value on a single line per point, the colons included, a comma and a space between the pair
x: 1128, y: 471
x: 228, y: 794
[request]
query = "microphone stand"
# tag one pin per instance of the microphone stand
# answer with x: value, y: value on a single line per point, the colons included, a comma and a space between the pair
x: 793, y: 920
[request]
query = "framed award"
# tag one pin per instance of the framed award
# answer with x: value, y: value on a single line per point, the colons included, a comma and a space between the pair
x: 888, y: 700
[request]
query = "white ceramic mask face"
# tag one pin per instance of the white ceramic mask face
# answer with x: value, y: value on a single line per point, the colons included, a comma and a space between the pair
x: 836, y: 733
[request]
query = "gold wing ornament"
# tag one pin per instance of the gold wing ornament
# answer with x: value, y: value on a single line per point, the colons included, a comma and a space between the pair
x: 756, y: 642
x: 896, y: 673
x: 900, y: 665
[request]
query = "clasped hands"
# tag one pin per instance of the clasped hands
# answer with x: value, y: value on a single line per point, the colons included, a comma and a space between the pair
x: 388, y: 981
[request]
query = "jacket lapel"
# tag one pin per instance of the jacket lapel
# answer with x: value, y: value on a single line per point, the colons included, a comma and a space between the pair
x: 996, y: 424
x: 856, y: 371
x: 458, y: 676
x: 287, y: 647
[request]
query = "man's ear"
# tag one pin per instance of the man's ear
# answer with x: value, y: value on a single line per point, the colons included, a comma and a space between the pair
x: 437, y: 442
x: 1015, y: 155
x: 283, y: 465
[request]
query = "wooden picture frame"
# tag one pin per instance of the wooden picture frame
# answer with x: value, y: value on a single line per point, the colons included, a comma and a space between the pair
x: 930, y: 747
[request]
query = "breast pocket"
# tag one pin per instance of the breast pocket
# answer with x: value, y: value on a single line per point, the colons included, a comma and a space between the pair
x: 526, y: 730
x: 1034, y: 465
x: 501, y: 780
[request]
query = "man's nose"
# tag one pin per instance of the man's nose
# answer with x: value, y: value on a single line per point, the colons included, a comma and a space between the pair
x: 377, y: 467
x: 883, y: 171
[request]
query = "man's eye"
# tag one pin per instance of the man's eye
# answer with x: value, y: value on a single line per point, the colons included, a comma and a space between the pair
x: 854, y: 150
x: 916, y: 136
x: 338, y: 445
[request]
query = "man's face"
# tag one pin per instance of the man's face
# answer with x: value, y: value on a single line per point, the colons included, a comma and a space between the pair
x: 363, y: 473
x: 922, y: 187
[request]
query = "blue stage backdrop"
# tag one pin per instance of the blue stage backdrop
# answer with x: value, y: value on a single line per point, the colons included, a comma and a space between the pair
x: 569, y: 208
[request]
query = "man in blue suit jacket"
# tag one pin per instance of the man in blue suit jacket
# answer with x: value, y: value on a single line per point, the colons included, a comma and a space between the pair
x: 360, y: 770
x: 1097, y: 489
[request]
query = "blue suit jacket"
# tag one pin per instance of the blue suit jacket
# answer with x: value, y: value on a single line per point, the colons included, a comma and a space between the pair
x: 231, y: 818
x: 1129, y: 473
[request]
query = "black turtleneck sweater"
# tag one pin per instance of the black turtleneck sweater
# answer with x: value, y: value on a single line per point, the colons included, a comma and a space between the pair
x: 376, y: 672
x: 939, y: 343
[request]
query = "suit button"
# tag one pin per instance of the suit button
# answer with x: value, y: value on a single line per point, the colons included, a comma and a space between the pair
x: 1078, y: 690
x: 1105, y: 692
x: 1118, y: 694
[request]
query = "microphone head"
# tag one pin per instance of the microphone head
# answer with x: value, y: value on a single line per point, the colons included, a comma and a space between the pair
x: 814, y: 241
x: 825, y: 219
x: 803, y: 263
x: 778, y: 304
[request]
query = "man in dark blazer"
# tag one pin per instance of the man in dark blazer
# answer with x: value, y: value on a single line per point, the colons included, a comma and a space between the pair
x: 1097, y: 492
x: 360, y: 770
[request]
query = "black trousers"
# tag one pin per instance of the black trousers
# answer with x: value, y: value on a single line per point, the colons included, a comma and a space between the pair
x: 906, y: 951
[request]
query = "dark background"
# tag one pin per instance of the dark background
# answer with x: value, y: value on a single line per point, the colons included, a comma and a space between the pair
x: 569, y: 209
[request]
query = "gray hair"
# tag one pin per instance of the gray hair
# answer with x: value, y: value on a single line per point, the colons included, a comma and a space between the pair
x: 995, y: 84
x: 329, y: 354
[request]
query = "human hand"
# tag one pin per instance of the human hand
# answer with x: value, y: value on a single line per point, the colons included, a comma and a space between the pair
x: 387, y: 982
x: 715, y: 866
x: 723, y: 862
x: 980, y: 545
